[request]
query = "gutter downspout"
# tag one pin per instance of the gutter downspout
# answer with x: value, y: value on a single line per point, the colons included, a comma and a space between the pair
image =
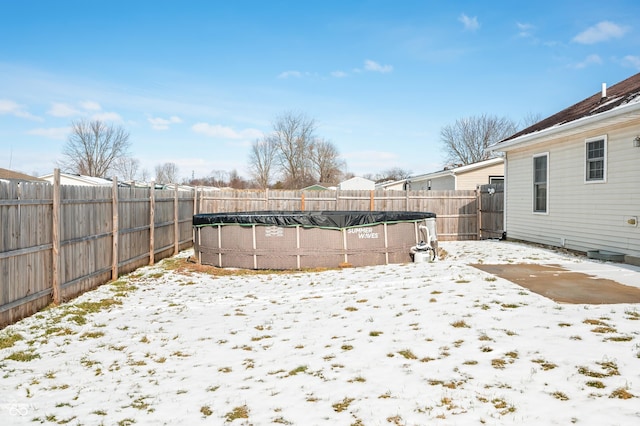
x: 504, y: 194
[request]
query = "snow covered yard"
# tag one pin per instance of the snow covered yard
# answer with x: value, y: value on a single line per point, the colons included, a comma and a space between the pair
x: 413, y: 344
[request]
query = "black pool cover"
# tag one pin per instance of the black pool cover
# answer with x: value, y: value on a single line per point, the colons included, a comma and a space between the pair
x: 320, y: 219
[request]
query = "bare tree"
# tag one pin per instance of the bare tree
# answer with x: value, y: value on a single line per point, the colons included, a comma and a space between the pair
x: 126, y: 167
x: 93, y: 147
x: 236, y: 181
x: 394, y: 173
x: 167, y: 173
x: 293, y: 136
x: 326, y: 162
x: 466, y: 141
x: 529, y: 120
x: 262, y: 160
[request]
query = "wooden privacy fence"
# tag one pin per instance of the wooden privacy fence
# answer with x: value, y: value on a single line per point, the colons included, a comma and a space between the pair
x: 457, y: 211
x: 58, y: 241
x: 491, y: 211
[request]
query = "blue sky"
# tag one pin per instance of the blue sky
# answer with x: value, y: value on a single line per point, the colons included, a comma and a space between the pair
x: 196, y: 82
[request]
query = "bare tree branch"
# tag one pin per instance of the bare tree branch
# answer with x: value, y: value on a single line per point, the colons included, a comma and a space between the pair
x: 293, y: 135
x: 262, y: 160
x: 93, y: 147
x: 466, y: 141
x: 326, y: 162
x: 126, y: 167
x: 167, y: 173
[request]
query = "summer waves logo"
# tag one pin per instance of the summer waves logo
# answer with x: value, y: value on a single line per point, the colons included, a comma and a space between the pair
x: 363, y: 233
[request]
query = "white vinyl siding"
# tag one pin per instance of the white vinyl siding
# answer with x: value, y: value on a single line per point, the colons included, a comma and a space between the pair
x: 470, y: 180
x: 584, y: 217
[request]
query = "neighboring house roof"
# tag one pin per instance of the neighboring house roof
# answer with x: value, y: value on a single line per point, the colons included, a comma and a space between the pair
x: 316, y: 187
x: 7, y: 174
x: 69, y: 179
x: 604, y: 106
x: 458, y: 170
x: 391, y: 184
x: 357, y: 183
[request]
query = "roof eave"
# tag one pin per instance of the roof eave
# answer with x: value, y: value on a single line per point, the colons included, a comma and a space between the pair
x: 548, y: 133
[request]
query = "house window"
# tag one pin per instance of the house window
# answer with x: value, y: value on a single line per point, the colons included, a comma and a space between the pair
x: 540, y: 180
x: 596, y: 159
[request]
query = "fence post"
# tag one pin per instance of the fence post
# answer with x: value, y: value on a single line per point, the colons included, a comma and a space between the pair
x: 115, y: 230
x: 371, y: 200
x: 152, y: 223
x: 266, y: 199
x: 478, y: 211
x: 176, y: 223
x: 55, y: 282
x: 195, y: 200
x: 302, y: 202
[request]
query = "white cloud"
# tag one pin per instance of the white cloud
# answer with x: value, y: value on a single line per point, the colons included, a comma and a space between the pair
x: 59, y: 109
x: 525, y: 30
x: 91, y: 106
x: 469, y: 23
x: 370, y: 65
x: 62, y: 110
x: 287, y: 74
x: 223, y: 132
x: 8, y: 107
x: 339, y: 74
x: 602, y: 31
x: 631, y: 60
x: 52, y: 132
x: 589, y: 60
x: 107, y: 116
x: 162, y: 123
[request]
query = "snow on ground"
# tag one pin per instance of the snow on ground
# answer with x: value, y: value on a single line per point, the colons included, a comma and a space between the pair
x: 412, y: 344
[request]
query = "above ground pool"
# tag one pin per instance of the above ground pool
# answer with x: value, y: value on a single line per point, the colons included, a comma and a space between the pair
x: 297, y: 239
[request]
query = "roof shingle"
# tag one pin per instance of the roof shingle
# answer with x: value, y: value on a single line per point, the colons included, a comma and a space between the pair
x: 622, y: 93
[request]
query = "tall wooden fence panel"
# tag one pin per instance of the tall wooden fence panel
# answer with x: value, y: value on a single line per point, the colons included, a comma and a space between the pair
x: 25, y: 249
x: 457, y: 211
x: 57, y: 241
x: 491, y: 211
x: 86, y: 238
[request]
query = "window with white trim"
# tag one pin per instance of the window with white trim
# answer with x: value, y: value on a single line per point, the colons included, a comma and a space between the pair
x: 540, y: 182
x: 596, y: 159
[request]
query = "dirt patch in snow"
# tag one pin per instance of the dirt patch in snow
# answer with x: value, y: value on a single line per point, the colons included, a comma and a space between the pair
x: 563, y: 285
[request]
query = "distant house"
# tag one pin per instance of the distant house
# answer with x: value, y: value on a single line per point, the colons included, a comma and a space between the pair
x: 69, y: 179
x: 453, y: 178
x: 357, y: 183
x: 14, y: 176
x: 572, y: 179
x: 392, y: 185
x: 316, y: 187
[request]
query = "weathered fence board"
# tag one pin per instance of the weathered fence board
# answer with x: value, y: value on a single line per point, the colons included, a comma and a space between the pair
x: 64, y: 238
x: 491, y: 211
x: 457, y: 211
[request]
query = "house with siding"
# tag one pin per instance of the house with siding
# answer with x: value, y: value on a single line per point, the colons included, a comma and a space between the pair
x: 572, y: 179
x: 81, y: 180
x: 468, y: 176
x: 357, y: 183
x: 12, y: 175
